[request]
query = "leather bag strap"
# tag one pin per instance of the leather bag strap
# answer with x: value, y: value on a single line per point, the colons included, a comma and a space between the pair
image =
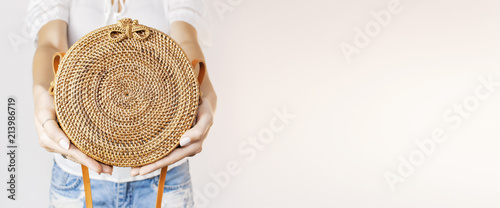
x: 88, y: 192
x: 161, y: 185
x: 86, y: 186
x: 56, y: 59
x: 203, y: 69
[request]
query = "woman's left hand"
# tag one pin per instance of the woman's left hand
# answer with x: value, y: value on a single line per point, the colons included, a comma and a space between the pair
x: 191, y: 141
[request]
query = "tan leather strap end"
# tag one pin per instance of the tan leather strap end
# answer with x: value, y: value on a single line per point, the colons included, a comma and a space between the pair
x: 203, y: 69
x: 161, y: 186
x: 51, y: 88
x: 201, y: 75
x: 56, y: 59
x: 86, y: 186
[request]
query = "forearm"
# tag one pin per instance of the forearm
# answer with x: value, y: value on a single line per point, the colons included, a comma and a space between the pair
x: 42, y: 69
x: 51, y: 39
x: 185, y: 35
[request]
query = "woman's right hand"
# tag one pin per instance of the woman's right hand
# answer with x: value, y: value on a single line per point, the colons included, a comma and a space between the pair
x: 53, y: 139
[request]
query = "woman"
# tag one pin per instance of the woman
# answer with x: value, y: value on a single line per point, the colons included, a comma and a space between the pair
x: 56, y: 25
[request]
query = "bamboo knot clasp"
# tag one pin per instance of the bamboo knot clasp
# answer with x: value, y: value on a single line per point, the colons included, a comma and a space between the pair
x: 126, y: 28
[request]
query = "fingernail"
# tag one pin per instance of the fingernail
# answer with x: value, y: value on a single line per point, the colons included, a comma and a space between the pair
x: 64, y: 144
x: 185, y: 141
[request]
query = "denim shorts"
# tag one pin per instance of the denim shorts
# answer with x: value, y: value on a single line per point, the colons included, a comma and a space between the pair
x: 66, y: 190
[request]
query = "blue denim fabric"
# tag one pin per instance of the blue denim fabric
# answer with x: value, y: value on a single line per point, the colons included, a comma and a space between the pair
x: 67, y: 191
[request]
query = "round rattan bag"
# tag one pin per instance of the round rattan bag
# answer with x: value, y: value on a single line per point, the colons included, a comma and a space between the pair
x: 125, y: 93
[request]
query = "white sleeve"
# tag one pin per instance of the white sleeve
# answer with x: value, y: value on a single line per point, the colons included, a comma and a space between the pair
x: 40, y: 12
x: 193, y: 12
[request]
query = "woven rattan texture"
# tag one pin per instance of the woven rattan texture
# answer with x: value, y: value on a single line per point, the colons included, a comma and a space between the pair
x: 125, y: 94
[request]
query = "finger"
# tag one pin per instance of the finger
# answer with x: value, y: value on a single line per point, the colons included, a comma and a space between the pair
x: 185, y: 140
x: 204, y: 122
x: 72, y: 159
x: 45, y: 113
x: 173, y: 157
x: 42, y: 137
x: 197, y: 133
x: 204, y: 113
x: 79, y: 157
x: 55, y: 133
x: 45, y: 142
x: 83, y: 159
x: 107, y: 169
x: 134, y: 171
x: 74, y: 155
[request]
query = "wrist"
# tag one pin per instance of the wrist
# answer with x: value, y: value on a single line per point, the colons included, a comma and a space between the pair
x: 187, y: 43
x: 192, y: 50
x: 38, y: 90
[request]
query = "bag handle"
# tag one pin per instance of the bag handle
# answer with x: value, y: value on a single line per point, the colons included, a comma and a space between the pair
x: 203, y: 69
x: 88, y: 192
x: 56, y: 59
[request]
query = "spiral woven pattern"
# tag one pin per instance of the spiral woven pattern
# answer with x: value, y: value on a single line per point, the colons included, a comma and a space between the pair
x: 125, y: 94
